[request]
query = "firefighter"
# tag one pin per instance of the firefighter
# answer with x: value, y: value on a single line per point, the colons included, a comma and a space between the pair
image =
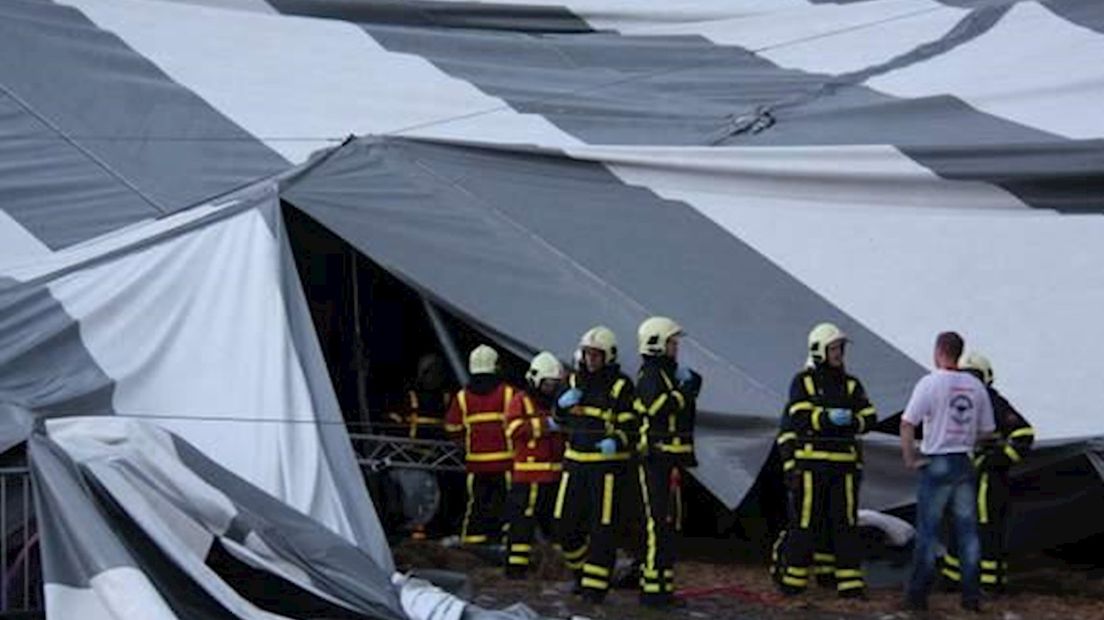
x: 596, y: 414
x: 826, y: 412
x: 477, y: 417
x: 538, y: 460
x: 993, y: 461
x: 665, y: 405
x: 422, y: 415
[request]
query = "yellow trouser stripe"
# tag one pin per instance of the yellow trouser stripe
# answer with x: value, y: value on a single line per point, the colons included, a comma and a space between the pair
x: 468, y: 509
x: 591, y: 582
x: 807, y: 499
x: 521, y: 547
x: 650, y: 525
x: 478, y: 538
x: 597, y: 571
x: 576, y: 554
x: 557, y: 511
x: 531, y: 507
x: 798, y: 582
x: 797, y: 571
x: 849, y: 573
x: 651, y: 588
x: 517, y: 560
x: 989, y: 579
x: 952, y: 574
x: 849, y: 488
x: 850, y: 585
x: 824, y: 557
x: 951, y: 561
x: 989, y: 565
x: 983, y: 498
x: 607, y: 499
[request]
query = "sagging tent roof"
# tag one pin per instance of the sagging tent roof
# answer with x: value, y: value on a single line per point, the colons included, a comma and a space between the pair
x: 900, y: 166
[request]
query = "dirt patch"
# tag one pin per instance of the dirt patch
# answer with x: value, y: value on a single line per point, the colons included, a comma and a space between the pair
x: 716, y: 591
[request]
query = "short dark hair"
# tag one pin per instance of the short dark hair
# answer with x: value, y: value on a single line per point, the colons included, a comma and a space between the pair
x: 950, y: 344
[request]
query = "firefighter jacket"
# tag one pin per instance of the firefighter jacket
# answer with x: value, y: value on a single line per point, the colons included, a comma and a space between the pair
x: 666, y: 411
x: 538, y: 450
x: 605, y: 411
x: 477, y: 417
x: 423, y: 414
x: 1014, y: 437
x: 807, y: 438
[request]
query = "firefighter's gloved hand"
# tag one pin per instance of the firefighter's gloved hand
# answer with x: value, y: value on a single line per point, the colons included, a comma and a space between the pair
x: 840, y: 416
x: 607, y: 446
x: 570, y: 398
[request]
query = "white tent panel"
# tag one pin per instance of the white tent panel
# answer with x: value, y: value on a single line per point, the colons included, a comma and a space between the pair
x: 1021, y: 285
x: 17, y: 245
x: 122, y: 592
x: 1033, y: 67
x: 194, y: 333
x: 300, y: 84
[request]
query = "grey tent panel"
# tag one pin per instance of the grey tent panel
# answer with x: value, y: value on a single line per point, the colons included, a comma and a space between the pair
x: 523, y: 241
x: 72, y: 554
x: 44, y: 365
x: 54, y: 190
x: 138, y: 132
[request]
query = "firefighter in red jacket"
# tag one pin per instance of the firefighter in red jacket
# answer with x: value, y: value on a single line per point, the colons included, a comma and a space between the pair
x: 993, y: 460
x: 477, y: 417
x: 597, y: 416
x: 538, y: 455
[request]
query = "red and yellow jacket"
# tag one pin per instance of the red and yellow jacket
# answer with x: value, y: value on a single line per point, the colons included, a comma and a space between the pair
x: 477, y: 417
x: 538, y: 451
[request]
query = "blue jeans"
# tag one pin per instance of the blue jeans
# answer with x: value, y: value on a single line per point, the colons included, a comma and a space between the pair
x: 946, y: 478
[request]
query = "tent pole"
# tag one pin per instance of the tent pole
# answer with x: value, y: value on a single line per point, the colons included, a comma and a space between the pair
x: 445, y: 338
x: 360, y: 357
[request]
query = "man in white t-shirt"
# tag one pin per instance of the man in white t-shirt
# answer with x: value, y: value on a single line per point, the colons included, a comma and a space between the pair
x: 955, y: 410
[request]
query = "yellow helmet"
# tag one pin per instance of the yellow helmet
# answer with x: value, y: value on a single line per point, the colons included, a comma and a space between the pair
x: 980, y: 363
x: 820, y: 337
x: 544, y: 366
x: 654, y: 333
x: 603, y: 339
x: 482, y: 360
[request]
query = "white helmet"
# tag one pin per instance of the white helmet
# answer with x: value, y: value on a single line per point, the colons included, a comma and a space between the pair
x: 544, y: 366
x: 820, y: 337
x: 654, y: 333
x: 482, y: 360
x: 603, y: 339
x: 980, y: 363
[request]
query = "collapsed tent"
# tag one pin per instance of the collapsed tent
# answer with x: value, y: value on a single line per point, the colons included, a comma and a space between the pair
x: 751, y: 168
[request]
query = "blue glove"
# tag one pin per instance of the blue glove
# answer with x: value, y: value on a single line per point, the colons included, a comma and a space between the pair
x: 553, y: 425
x: 570, y: 398
x: 683, y: 375
x: 607, y: 446
x: 840, y: 417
